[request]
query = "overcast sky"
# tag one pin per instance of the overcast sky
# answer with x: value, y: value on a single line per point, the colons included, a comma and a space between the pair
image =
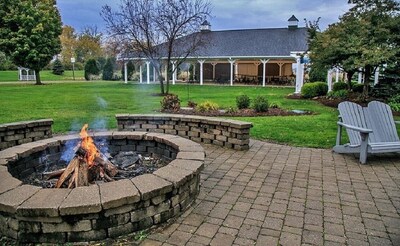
x: 226, y: 14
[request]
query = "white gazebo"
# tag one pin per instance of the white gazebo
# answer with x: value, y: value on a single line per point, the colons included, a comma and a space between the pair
x: 26, y: 74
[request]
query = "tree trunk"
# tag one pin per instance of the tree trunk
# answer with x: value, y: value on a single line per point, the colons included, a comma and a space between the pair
x: 349, y: 76
x: 38, y: 81
x: 167, y: 77
x: 367, y: 75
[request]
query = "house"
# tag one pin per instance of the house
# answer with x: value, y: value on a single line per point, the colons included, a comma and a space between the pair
x: 250, y: 55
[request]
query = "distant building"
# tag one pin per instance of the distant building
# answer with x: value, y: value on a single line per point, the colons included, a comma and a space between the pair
x: 251, y: 55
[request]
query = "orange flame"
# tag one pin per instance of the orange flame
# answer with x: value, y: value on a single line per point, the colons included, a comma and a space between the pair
x: 88, y: 145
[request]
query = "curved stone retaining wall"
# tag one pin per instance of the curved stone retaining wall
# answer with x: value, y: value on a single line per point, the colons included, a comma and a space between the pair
x: 223, y: 132
x: 17, y: 133
x: 33, y: 214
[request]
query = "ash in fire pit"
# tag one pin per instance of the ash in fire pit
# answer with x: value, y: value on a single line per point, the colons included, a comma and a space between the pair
x: 129, y: 164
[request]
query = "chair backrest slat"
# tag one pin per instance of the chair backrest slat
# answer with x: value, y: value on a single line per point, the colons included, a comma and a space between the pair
x: 352, y: 114
x: 383, y: 123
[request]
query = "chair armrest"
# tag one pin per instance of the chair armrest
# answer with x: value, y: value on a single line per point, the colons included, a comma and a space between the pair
x: 397, y: 122
x: 355, y: 128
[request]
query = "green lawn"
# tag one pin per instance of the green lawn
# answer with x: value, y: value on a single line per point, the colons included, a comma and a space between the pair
x: 46, y: 75
x: 72, y: 104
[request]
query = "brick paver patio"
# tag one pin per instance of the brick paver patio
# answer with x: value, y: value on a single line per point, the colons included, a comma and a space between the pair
x: 281, y: 195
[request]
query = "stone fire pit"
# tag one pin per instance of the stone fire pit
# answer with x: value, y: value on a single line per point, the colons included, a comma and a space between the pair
x: 33, y: 214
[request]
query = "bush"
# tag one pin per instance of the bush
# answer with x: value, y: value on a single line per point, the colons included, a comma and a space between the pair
x: 242, y: 102
x: 108, y: 70
x: 340, y: 94
x: 58, y: 68
x: 274, y: 105
x: 91, y: 68
x: 191, y: 104
x: 171, y: 102
x: 231, y: 110
x: 394, y: 103
x: 339, y: 86
x: 260, y: 104
x: 207, y: 106
x: 314, y: 89
x: 358, y: 88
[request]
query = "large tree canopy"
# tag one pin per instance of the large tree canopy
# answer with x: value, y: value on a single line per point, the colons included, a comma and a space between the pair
x: 367, y: 36
x: 29, y: 32
x: 152, y: 29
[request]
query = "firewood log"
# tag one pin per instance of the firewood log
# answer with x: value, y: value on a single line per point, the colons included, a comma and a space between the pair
x: 68, y: 172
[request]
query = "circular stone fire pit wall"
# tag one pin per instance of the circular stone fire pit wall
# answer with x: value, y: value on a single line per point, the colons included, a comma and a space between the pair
x: 33, y: 214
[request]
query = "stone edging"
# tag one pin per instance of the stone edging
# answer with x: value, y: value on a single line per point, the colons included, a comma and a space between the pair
x: 32, y: 214
x: 17, y: 133
x: 222, y: 132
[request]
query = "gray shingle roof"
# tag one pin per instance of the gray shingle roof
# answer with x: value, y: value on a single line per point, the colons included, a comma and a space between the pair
x: 271, y: 42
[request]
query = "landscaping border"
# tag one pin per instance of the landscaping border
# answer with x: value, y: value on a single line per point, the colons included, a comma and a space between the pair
x: 222, y: 132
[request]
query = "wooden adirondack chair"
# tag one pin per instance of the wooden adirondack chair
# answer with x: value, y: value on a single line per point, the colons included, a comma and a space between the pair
x: 370, y: 129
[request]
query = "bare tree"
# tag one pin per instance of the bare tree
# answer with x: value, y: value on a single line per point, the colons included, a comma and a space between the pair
x: 158, y: 30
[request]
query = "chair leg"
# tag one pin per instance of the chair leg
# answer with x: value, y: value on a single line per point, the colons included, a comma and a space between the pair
x: 364, y: 148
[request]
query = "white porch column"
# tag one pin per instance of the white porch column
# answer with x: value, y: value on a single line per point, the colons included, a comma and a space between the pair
x: 213, y: 65
x: 166, y: 72
x: 201, y: 71
x: 154, y: 74
x: 173, y: 72
x: 148, y: 72
x: 360, y: 76
x: 125, y: 72
x: 337, y: 75
x: 264, y: 62
x: 376, y: 77
x: 280, y: 64
x: 140, y: 74
x: 231, y: 61
x: 329, y: 80
x: 299, y: 75
x: 27, y: 74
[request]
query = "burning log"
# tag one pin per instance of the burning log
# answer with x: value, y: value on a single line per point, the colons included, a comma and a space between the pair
x: 53, y: 174
x: 87, y: 166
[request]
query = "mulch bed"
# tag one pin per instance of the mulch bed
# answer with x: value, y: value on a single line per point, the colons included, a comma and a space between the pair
x: 240, y: 113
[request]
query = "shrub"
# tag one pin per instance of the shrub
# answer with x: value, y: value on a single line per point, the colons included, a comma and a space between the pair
x: 242, y: 102
x: 207, y: 106
x: 358, y: 88
x: 260, y: 104
x: 394, y: 103
x: 340, y: 94
x: 171, y: 102
x: 58, y: 67
x: 91, y: 68
x: 314, y: 89
x: 274, y: 105
x: 191, y: 104
x: 231, y: 110
x: 339, y: 86
x: 108, y: 70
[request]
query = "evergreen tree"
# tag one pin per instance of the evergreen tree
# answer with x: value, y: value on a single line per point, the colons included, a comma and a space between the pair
x: 91, y: 68
x: 58, y: 67
x: 108, y: 70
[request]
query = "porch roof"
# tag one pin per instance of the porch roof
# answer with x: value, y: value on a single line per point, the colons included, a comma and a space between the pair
x: 273, y: 43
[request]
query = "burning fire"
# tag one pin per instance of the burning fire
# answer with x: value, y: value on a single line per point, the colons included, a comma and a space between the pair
x: 88, y: 145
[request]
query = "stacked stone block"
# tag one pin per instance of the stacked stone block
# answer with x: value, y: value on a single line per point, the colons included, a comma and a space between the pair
x: 13, y: 134
x: 222, y: 132
x: 106, y: 210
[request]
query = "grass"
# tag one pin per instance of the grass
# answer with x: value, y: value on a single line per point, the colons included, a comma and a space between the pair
x: 73, y: 104
x: 46, y: 75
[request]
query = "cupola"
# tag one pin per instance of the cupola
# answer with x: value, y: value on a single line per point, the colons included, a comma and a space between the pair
x: 205, y: 26
x: 293, y: 22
